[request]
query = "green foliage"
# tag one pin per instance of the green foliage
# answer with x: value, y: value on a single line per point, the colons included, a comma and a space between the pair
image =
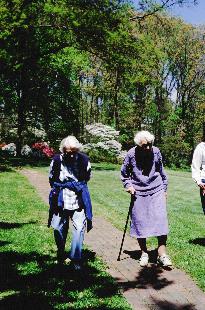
x: 176, y: 152
x: 101, y: 155
x: 65, y: 64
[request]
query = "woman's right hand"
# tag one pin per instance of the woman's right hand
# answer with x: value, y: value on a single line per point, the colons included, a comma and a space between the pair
x: 130, y: 190
x: 202, y: 186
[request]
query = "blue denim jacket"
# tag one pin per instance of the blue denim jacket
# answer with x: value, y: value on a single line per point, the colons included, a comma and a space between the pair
x: 56, y: 198
x: 79, y: 187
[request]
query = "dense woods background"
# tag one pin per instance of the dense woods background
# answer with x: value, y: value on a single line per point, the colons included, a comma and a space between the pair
x: 65, y: 64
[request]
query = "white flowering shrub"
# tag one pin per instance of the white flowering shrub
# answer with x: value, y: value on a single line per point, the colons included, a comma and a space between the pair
x: 9, y: 149
x: 102, y: 143
x: 39, y: 134
x: 99, y: 132
x: 26, y: 151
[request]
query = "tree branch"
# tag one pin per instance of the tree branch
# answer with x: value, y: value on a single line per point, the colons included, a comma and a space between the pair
x: 165, y: 4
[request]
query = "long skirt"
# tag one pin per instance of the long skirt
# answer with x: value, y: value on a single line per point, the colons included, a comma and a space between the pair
x: 149, y: 216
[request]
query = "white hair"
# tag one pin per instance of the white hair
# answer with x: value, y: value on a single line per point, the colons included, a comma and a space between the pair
x: 143, y: 135
x: 70, y: 141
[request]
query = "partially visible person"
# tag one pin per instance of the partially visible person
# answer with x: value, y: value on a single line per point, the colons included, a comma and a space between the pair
x: 198, y: 170
x: 143, y: 177
x: 69, y: 199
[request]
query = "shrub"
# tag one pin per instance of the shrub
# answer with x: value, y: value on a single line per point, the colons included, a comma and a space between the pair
x: 9, y: 149
x: 103, y: 144
x: 99, y: 155
x: 102, y: 155
x: 100, y: 132
x: 42, y: 150
x: 26, y: 151
x: 176, y: 152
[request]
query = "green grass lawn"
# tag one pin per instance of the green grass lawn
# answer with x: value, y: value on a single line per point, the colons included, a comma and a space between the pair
x: 29, y: 278
x: 186, y: 241
x: 28, y: 249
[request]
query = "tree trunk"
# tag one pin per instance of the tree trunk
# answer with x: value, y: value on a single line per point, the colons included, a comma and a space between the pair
x: 116, y: 106
x: 21, y: 123
x: 140, y: 101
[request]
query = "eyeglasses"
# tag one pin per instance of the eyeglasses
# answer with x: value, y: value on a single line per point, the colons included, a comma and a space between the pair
x: 146, y: 145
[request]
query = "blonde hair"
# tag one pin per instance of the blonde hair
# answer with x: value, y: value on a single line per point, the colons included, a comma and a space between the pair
x: 143, y: 135
x: 70, y: 141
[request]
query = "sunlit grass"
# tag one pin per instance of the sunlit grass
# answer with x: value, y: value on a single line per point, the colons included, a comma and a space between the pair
x: 30, y: 248
x: 29, y: 277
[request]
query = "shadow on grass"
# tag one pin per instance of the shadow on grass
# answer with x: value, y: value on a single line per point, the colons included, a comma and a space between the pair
x: 6, y: 225
x: 198, y: 241
x: 51, y: 285
x: 3, y: 243
x: 5, y: 168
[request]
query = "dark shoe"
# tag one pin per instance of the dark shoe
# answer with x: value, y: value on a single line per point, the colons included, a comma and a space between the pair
x: 60, y: 257
x: 77, y: 267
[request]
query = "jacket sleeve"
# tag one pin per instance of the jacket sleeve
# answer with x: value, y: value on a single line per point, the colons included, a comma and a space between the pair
x: 126, y: 172
x: 162, y: 172
x: 88, y: 173
x: 196, y: 165
x: 51, y: 173
x: 55, y: 168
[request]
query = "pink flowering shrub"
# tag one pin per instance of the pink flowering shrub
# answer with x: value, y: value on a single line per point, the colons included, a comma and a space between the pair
x: 2, y: 145
x: 42, y: 149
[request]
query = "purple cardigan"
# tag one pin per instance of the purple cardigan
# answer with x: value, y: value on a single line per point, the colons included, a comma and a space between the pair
x: 131, y: 174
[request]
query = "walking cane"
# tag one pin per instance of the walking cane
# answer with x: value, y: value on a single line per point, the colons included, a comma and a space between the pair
x: 128, y: 215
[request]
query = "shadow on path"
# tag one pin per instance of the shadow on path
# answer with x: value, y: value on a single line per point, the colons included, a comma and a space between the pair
x: 165, y: 305
x: 137, y: 254
x: 148, y: 277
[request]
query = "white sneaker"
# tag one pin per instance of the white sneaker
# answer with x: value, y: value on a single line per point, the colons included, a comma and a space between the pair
x: 67, y: 261
x: 144, y: 259
x: 164, y: 260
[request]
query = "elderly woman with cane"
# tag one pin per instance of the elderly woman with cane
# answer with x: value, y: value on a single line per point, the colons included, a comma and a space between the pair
x: 143, y: 177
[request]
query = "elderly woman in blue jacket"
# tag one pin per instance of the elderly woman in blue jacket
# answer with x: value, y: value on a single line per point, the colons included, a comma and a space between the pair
x: 69, y: 199
x: 143, y: 176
